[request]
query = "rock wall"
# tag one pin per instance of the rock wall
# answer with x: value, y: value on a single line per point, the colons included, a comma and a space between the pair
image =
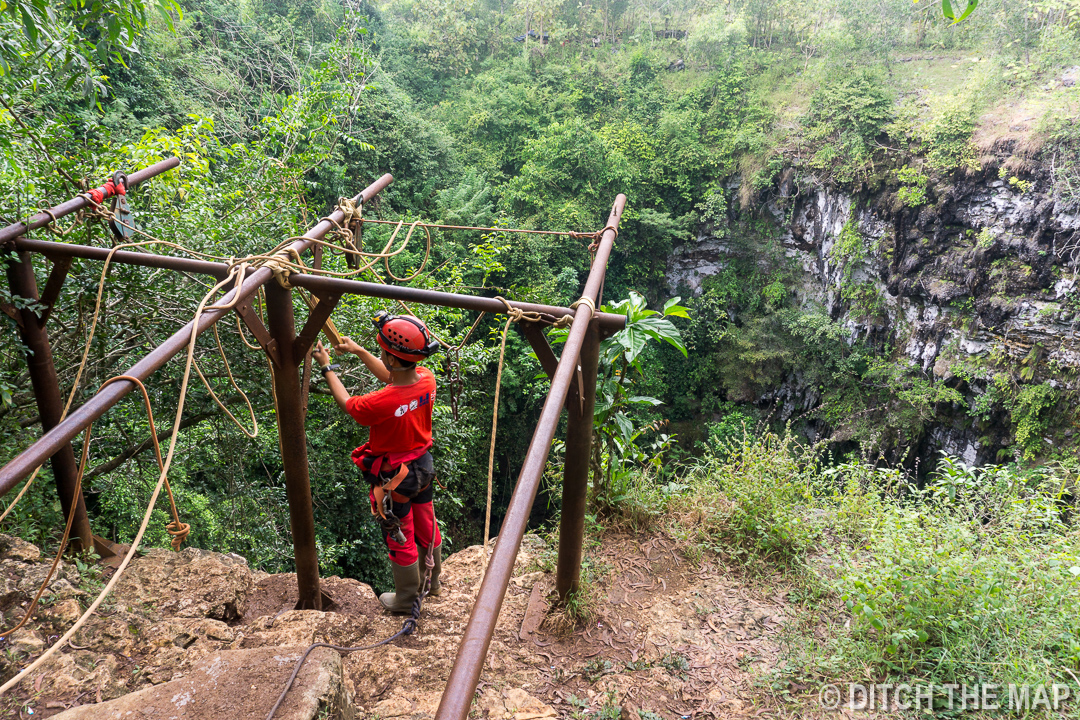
x: 984, y: 269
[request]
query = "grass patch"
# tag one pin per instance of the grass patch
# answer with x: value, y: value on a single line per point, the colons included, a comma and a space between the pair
x: 970, y: 576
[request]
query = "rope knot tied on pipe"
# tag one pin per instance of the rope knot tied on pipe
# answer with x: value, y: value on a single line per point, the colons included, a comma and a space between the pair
x: 351, y: 212
x: 282, y: 265
x: 587, y: 301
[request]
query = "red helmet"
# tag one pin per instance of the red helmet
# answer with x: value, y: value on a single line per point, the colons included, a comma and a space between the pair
x: 404, y: 336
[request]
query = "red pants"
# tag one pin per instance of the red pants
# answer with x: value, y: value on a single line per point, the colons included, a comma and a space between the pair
x: 417, y: 525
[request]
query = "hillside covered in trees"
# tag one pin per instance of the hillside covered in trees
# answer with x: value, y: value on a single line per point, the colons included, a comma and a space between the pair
x: 858, y: 226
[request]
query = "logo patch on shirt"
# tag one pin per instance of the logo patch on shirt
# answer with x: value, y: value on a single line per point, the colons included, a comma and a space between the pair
x: 413, y: 405
x: 402, y: 409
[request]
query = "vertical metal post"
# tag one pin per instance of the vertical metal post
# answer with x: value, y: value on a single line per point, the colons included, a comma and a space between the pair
x: 50, y: 404
x: 579, y: 432
x: 293, y: 440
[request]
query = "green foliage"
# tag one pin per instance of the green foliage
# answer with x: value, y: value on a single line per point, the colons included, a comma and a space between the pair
x: 1029, y: 413
x: 846, y: 115
x: 947, y: 135
x: 977, y: 571
x: 753, y: 504
x: 912, y: 191
x: 730, y: 432
x: 618, y: 452
x: 70, y: 43
x: 949, y: 13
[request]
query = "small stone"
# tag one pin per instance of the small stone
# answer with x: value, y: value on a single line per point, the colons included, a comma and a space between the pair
x: 27, y: 641
x: 9, y: 591
x: 184, y: 640
x: 62, y: 590
x: 66, y: 611
x: 392, y: 707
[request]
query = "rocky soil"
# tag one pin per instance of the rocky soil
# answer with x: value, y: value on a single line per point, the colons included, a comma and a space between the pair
x: 200, y: 634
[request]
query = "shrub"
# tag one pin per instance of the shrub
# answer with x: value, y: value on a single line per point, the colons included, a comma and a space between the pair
x: 845, y: 116
x: 974, y: 580
x: 752, y: 507
x: 948, y: 136
x: 853, y: 103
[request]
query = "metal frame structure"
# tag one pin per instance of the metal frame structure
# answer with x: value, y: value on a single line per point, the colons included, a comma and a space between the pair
x: 573, y: 385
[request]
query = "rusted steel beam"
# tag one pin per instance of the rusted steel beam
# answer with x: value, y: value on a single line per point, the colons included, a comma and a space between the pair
x: 23, y: 464
x: 535, y: 335
x: 472, y: 652
x: 317, y: 317
x: 254, y: 324
x: 57, y: 250
x: 579, y: 436
x: 50, y: 402
x: 80, y: 203
x: 292, y: 438
x: 341, y: 286
x: 53, y: 286
x: 12, y: 313
x: 316, y: 283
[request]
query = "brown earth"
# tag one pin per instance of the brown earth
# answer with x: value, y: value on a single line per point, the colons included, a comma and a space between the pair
x: 667, y: 636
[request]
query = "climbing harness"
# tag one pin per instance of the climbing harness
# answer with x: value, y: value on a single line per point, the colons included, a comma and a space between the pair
x: 382, y: 502
x: 407, y: 628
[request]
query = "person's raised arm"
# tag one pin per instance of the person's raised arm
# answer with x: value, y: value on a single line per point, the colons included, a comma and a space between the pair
x: 374, y: 364
x: 337, y: 389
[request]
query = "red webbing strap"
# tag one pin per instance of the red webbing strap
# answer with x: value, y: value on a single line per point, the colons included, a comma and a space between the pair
x: 379, y: 491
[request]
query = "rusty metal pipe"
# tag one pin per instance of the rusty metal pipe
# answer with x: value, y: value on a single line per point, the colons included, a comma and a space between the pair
x: 292, y: 438
x: 579, y: 438
x: 24, y: 463
x: 340, y: 286
x: 53, y: 249
x: 608, y: 321
x: 461, y: 686
x: 80, y: 203
x: 39, y: 361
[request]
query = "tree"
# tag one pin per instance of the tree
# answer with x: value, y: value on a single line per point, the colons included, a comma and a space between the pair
x: 74, y: 41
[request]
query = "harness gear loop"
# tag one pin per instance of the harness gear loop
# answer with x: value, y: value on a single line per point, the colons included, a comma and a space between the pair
x: 382, y: 492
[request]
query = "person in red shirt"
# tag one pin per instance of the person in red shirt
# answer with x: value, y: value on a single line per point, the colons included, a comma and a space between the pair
x: 396, y: 460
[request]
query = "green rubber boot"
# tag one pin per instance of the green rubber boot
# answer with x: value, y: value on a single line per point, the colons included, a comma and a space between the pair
x: 435, y: 586
x: 406, y: 588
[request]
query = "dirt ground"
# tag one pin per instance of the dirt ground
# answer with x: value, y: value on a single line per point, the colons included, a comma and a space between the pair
x: 669, y: 638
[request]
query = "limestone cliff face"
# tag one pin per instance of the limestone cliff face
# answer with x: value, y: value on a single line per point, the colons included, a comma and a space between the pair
x: 983, y: 269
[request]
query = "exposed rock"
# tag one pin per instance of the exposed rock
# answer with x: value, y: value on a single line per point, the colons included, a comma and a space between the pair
x: 31, y: 577
x: 191, y: 583
x: 26, y: 642
x: 66, y: 611
x: 983, y: 269
x: 9, y: 591
x: 13, y: 548
x: 239, y: 685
